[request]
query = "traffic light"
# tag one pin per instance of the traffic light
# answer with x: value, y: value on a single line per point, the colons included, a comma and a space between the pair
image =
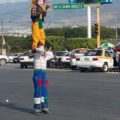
x: 106, y: 1
x: 71, y: 1
x: 80, y: 1
x: 90, y: 1
x: 96, y: 28
x: 87, y: 1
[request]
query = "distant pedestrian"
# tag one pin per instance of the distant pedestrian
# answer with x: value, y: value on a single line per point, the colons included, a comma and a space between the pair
x: 111, y: 51
x: 119, y: 62
x: 49, y: 57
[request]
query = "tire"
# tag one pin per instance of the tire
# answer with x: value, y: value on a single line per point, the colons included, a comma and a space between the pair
x: 105, y: 67
x: 25, y: 66
x: 3, y: 62
x: 21, y: 66
x: 82, y: 69
x: 92, y: 69
x: 73, y: 67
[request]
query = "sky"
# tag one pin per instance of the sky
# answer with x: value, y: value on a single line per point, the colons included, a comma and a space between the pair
x: 12, y: 1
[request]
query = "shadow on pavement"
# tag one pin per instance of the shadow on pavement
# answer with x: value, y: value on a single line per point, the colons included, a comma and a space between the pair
x: 15, y: 107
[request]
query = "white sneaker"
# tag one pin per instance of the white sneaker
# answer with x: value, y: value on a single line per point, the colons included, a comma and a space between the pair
x: 37, y: 111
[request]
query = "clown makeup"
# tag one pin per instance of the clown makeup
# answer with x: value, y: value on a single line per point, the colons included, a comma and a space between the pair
x: 40, y: 2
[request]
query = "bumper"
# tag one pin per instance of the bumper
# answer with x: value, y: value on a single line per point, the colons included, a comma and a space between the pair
x: 90, y: 65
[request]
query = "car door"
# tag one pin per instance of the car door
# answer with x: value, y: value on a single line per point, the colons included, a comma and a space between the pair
x: 109, y: 59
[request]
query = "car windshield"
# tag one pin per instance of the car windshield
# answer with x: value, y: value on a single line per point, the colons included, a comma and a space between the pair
x: 27, y: 53
x: 67, y: 54
x: 93, y: 53
x: 60, y: 53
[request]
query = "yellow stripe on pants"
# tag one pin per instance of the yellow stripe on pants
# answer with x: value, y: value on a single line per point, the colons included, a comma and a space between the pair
x: 38, y: 35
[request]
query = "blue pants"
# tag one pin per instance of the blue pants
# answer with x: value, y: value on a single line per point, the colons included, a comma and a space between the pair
x: 40, y: 89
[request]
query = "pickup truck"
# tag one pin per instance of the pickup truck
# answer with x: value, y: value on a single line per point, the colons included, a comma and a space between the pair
x: 3, y: 59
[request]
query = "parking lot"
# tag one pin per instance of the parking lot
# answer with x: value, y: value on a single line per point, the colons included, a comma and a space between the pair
x: 73, y: 95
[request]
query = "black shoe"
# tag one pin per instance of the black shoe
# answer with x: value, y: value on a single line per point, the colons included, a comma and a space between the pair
x: 45, y: 110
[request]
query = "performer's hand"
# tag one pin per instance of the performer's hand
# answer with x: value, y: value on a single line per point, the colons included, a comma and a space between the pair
x: 48, y: 6
x: 33, y: 51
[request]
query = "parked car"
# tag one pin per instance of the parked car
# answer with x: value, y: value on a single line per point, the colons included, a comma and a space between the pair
x: 17, y: 58
x: 26, y: 59
x: 3, y: 59
x: 95, y: 59
x: 62, y: 59
x: 75, y: 54
x: 13, y: 56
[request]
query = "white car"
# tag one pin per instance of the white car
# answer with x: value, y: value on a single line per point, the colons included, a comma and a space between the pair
x: 3, y: 59
x: 62, y: 58
x: 75, y: 54
x: 12, y: 57
x: 95, y: 59
x: 26, y: 60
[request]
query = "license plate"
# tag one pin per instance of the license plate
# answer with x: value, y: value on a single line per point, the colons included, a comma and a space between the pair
x: 68, y: 59
x: 77, y: 59
x: 86, y: 59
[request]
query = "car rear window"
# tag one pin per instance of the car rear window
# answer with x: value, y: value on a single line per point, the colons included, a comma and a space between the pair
x: 93, y: 53
x: 60, y: 53
x: 79, y: 52
x: 27, y: 53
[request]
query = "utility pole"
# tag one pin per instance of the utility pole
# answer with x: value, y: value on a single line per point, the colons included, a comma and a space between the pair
x: 2, y: 36
x: 89, y: 21
x: 3, y: 39
x: 116, y: 33
x: 98, y: 22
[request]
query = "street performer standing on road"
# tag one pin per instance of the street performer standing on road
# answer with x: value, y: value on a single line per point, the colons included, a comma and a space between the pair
x: 38, y: 12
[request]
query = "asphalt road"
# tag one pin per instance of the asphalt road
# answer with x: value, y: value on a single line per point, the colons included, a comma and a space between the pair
x: 72, y: 95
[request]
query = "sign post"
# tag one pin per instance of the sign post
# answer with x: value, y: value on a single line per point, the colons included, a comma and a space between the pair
x: 68, y: 6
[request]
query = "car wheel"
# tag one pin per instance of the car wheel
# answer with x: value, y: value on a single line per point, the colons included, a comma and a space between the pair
x: 21, y: 66
x: 25, y: 66
x: 82, y: 69
x: 105, y: 67
x: 3, y: 62
x: 73, y: 67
